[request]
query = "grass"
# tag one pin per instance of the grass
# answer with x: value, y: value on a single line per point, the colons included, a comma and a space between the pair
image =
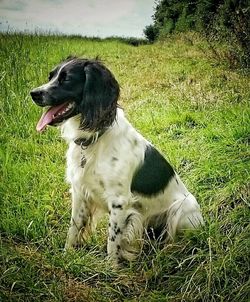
x: 193, y: 109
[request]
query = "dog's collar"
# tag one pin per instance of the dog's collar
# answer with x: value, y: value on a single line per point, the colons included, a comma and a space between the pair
x: 85, y: 142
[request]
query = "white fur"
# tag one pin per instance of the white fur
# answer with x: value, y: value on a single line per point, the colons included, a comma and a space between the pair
x: 103, y: 186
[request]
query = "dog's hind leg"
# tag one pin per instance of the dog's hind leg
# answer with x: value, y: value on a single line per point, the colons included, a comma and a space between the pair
x: 183, y: 214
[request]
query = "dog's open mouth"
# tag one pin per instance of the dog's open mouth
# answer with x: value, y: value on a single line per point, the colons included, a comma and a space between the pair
x: 55, y: 115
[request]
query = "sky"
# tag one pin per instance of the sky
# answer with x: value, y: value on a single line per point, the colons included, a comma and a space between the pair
x: 101, y: 18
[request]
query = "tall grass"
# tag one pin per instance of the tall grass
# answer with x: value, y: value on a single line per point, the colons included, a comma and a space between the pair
x: 196, y: 112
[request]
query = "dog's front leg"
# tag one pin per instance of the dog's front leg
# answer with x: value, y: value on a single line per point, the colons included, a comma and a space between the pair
x: 116, y: 219
x: 80, y: 219
x: 125, y: 228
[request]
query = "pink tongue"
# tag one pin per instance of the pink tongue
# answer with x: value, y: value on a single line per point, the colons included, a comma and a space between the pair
x: 47, y: 117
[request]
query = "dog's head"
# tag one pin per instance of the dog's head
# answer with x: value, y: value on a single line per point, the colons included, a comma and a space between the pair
x: 78, y: 86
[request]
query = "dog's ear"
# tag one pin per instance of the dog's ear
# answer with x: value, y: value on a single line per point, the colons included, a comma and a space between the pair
x: 100, y: 95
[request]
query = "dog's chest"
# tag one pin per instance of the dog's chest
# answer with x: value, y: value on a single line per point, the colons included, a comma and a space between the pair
x: 84, y: 172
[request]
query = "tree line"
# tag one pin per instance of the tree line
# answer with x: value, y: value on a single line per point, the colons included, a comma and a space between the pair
x: 218, y: 20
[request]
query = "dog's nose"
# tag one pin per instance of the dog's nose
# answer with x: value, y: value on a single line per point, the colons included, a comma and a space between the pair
x: 37, y: 95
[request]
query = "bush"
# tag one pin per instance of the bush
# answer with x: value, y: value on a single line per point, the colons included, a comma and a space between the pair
x: 151, y: 32
x: 230, y: 25
x: 223, y: 21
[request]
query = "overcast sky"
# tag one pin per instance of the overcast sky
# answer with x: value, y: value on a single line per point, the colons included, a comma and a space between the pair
x: 100, y: 18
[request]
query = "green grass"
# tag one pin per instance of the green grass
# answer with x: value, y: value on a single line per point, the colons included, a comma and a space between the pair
x: 193, y: 109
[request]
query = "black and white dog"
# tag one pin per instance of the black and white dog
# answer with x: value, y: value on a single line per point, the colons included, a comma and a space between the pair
x: 111, y: 168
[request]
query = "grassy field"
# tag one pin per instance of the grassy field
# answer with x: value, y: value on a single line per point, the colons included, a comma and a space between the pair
x: 195, y: 110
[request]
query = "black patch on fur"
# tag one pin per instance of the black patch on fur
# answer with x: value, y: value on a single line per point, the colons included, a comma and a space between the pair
x: 118, y: 231
x: 83, y: 162
x: 112, y: 238
x: 153, y: 175
x: 117, y: 206
x: 84, y: 223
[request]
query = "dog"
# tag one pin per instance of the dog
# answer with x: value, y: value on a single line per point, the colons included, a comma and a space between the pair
x: 111, y: 167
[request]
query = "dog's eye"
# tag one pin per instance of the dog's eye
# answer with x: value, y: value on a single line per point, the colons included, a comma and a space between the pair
x: 62, y: 77
x: 51, y: 74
